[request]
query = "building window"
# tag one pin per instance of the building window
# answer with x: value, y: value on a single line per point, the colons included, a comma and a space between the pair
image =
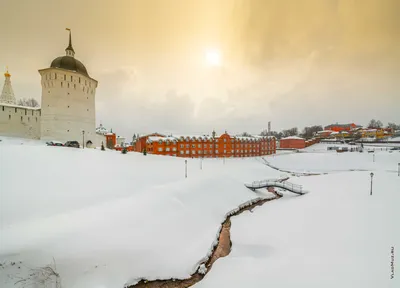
x: 181, y: 152
x: 199, y: 145
x: 55, y: 76
x: 21, y: 118
x: 174, y: 149
x: 71, y: 79
x: 232, y: 151
x: 187, y: 151
x: 225, y: 140
x: 181, y: 145
x: 193, y: 146
x: 205, y: 145
x: 29, y: 119
x: 193, y: 152
x: 224, y: 145
x: 224, y: 151
x: 160, y: 149
x: 79, y: 80
x: 187, y: 145
x: 2, y: 108
x: 67, y: 130
x: 68, y: 86
x: 216, y: 152
x: 167, y: 149
x: 74, y: 86
x: 25, y: 112
x: 9, y: 117
x: 216, y: 145
x: 61, y: 84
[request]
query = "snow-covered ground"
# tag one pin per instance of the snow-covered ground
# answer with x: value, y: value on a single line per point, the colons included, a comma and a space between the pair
x: 108, y: 218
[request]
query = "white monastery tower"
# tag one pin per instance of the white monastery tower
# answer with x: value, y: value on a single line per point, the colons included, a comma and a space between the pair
x: 68, y: 100
x: 7, y: 94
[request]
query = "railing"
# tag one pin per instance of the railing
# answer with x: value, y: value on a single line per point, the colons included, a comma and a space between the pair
x: 276, y: 183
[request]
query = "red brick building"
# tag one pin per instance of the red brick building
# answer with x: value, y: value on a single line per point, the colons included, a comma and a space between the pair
x: 292, y: 142
x: 206, y: 146
x: 341, y: 127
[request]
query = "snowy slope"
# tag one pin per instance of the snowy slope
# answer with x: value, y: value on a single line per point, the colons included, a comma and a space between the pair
x: 336, y: 236
x: 108, y: 218
x: 333, y: 161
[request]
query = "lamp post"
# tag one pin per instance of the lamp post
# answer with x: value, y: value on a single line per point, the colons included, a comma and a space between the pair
x: 83, y: 139
x: 372, y: 175
x: 201, y: 163
x: 398, y: 169
x: 373, y: 157
x: 185, y: 168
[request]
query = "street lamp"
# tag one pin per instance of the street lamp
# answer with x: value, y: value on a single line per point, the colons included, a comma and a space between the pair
x: 83, y: 139
x: 372, y: 175
x: 185, y: 168
x: 398, y: 169
x: 373, y: 157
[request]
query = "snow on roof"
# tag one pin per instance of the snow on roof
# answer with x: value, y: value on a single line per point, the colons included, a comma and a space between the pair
x: 19, y: 106
x: 293, y: 138
x: 151, y: 139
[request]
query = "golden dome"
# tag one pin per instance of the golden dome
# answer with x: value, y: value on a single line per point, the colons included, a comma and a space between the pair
x: 7, y: 74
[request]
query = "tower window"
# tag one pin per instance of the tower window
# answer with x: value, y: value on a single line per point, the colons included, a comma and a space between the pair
x: 36, y: 119
x: 79, y: 80
x: 9, y: 117
x: 68, y: 86
x: 21, y: 118
x: 61, y: 84
x: 25, y: 111
x: 71, y: 79
x: 2, y: 108
x: 74, y: 86
x: 65, y: 77
x: 29, y: 119
x: 15, y: 110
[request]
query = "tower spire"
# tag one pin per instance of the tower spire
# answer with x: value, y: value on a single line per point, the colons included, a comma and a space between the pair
x: 7, y: 95
x: 70, y: 50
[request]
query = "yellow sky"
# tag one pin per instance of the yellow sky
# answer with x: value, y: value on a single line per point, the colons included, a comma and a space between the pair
x: 277, y: 55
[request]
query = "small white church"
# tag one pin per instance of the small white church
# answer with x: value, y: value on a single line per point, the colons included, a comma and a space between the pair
x: 68, y: 106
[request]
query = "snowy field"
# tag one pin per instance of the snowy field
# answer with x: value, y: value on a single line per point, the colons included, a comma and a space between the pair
x: 107, y: 218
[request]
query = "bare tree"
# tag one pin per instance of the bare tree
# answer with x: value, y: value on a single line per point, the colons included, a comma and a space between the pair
x: 31, y: 102
x: 375, y: 124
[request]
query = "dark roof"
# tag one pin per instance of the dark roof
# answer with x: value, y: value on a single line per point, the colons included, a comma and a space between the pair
x: 69, y: 63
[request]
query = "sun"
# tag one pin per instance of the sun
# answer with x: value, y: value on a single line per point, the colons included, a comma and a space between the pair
x: 213, y: 58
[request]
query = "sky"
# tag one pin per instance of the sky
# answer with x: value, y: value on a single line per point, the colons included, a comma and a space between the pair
x: 191, y: 66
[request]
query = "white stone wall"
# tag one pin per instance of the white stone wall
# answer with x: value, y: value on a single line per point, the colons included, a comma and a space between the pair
x: 68, y: 106
x: 17, y: 121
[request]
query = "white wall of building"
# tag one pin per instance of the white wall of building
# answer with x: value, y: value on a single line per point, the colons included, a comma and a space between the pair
x: 68, y: 106
x: 17, y: 121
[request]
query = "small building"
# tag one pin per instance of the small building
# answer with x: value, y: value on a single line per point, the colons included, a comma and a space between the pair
x: 341, y: 127
x: 292, y: 142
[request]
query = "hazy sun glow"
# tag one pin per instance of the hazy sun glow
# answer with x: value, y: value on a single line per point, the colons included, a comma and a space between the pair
x: 213, y: 58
